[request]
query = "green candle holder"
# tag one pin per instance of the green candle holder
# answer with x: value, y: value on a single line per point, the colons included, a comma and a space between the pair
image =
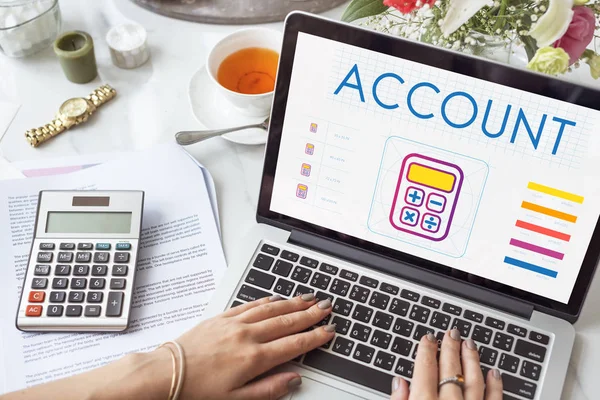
x: 75, y: 51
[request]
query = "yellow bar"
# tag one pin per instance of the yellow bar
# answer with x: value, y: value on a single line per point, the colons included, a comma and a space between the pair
x: 555, y: 192
x: 431, y: 177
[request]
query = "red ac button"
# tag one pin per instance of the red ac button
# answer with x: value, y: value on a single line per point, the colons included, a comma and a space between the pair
x: 33, y: 311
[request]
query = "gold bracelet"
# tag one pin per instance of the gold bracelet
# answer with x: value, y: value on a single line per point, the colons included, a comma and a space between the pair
x: 174, y: 368
x: 180, y: 378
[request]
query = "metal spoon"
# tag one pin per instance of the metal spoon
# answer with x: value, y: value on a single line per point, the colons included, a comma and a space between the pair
x: 186, y: 138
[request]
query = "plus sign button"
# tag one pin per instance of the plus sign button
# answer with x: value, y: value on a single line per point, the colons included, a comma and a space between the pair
x: 414, y: 196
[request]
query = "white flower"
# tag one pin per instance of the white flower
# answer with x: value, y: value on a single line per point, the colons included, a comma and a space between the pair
x: 554, y: 23
x: 459, y: 12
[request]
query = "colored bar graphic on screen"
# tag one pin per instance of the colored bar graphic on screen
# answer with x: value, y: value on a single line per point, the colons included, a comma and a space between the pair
x: 555, y: 192
x: 543, y: 231
x: 537, y: 249
x: 549, y: 211
x: 530, y: 267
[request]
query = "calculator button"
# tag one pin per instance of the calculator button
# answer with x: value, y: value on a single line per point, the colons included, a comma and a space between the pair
x: 117, y: 284
x: 37, y: 297
x: 81, y: 270
x: 67, y: 246
x: 119, y: 270
x: 436, y: 203
x: 57, y: 297
x: 62, y: 270
x: 121, y: 257
x: 84, y: 257
x: 55, y: 311
x: 431, y: 223
x: 33, y: 311
x: 78, y: 283
x: 44, y: 257
x: 97, y: 283
x: 102, y: 246
x: 65, y: 257
x: 409, y: 216
x: 39, y: 283
x: 46, y: 246
x: 60, y: 283
x: 101, y: 257
x: 41, y: 270
x: 414, y: 196
x: 94, y: 297
x: 92, y: 311
x: 114, y: 304
x: 73, y: 311
x: 99, y: 270
x: 85, y: 246
x: 76, y: 297
x: 123, y: 246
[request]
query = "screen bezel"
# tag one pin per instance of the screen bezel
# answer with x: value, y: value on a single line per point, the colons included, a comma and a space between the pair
x: 440, y: 58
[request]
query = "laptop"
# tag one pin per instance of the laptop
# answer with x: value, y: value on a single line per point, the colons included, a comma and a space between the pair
x: 423, y: 190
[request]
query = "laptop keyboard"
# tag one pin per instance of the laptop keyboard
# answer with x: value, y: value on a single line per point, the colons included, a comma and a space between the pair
x: 379, y: 324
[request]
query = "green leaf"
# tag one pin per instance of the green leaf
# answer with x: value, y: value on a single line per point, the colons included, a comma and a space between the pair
x: 363, y: 8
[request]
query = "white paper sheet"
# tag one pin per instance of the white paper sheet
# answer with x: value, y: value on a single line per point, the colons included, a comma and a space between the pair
x: 8, y: 111
x: 175, y: 278
x: 8, y: 171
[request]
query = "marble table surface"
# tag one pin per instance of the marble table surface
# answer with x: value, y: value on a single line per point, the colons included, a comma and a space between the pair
x: 153, y: 105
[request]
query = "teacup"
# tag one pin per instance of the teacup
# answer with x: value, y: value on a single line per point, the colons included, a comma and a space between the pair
x: 255, y: 105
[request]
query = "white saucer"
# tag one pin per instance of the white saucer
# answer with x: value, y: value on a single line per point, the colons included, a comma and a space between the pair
x: 213, y: 111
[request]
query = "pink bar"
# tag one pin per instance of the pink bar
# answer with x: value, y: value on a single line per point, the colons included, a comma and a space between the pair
x: 537, y: 249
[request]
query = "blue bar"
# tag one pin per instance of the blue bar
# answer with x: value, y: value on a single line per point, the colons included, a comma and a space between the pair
x: 437, y: 203
x: 530, y: 267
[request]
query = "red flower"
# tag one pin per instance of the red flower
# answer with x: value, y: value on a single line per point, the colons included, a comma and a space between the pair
x: 407, y: 6
x: 580, y: 33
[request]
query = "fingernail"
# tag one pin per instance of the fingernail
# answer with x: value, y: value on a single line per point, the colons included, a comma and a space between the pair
x: 308, y: 296
x: 430, y: 337
x: 496, y: 373
x: 471, y: 344
x: 396, y: 383
x: 455, y: 334
x: 294, y: 383
x: 330, y: 328
x: 275, y: 298
x: 325, y: 304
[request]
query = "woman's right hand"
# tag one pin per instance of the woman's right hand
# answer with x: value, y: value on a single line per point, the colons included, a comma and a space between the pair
x: 456, y: 357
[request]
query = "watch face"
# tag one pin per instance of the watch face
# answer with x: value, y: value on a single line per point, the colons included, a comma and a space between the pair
x: 74, y: 108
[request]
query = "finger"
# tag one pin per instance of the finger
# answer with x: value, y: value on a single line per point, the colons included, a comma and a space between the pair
x: 474, y: 385
x: 450, y: 364
x: 270, y: 388
x: 232, y: 312
x: 425, y: 376
x: 400, y: 389
x: 276, y: 308
x: 493, y: 390
x: 288, y: 324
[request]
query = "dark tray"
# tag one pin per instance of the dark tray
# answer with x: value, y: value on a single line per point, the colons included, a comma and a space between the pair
x: 235, y: 12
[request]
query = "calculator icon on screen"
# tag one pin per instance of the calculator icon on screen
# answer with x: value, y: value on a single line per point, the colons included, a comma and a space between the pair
x: 426, y: 197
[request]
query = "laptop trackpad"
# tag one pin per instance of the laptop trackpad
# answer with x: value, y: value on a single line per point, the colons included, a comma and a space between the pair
x: 311, y: 389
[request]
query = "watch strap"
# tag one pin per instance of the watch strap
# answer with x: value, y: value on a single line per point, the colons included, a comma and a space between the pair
x: 101, y: 95
x: 37, y: 136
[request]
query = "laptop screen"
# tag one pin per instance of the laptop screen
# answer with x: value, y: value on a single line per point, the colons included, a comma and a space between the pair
x: 484, y: 178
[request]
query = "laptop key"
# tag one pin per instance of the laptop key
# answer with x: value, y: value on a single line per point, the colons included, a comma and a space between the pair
x: 391, y: 289
x: 410, y: 295
x: 248, y: 293
x: 260, y: 279
x: 440, y: 321
x: 482, y: 334
x: 282, y: 268
x: 539, y: 337
x: 301, y: 274
x: 362, y: 313
x: 351, y: 276
x: 379, y: 300
x: 320, y: 281
x: 516, y: 330
x: 484, y: 371
x: 284, y: 287
x: 300, y: 290
x: 399, y: 307
x: 342, y: 325
x: 343, y: 307
x: 288, y: 255
x: 381, y: 339
x: 360, y: 332
x: 359, y: 293
x: 267, y: 248
x: 503, y: 342
x: 488, y: 356
x: 452, y: 309
x: 383, y: 320
x: 263, y: 261
x: 384, y: 360
x: 518, y: 386
x: 473, y: 316
x: 340, y: 287
x: 531, y: 370
x: 403, y: 327
x: 328, y: 268
x: 494, y: 323
x: 370, y: 282
x: 463, y: 327
x: 428, y: 301
x: 323, y: 295
x: 421, y: 331
x: 350, y: 370
x: 309, y: 262
x: 405, y: 368
x: 508, y: 363
x: 363, y: 353
x: 401, y: 346
x: 419, y: 313
x: 530, y: 350
x: 324, y: 321
x: 342, y: 346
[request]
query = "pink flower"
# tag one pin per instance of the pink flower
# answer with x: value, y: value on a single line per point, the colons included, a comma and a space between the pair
x: 579, y: 34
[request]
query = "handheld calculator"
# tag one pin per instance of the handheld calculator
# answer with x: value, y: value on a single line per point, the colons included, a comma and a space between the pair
x: 426, y: 197
x: 81, y: 269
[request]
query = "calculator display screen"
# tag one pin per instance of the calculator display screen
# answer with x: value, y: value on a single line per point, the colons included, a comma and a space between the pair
x: 431, y: 177
x: 88, y: 222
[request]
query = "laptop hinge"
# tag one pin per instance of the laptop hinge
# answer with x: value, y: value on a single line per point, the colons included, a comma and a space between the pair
x: 412, y: 273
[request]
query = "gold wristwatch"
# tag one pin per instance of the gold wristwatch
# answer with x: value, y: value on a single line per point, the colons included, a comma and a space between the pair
x: 72, y: 112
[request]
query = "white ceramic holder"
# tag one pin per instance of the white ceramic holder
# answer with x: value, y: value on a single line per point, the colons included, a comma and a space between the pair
x: 128, y: 45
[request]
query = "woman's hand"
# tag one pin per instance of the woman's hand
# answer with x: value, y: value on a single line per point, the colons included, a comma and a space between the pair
x: 456, y: 357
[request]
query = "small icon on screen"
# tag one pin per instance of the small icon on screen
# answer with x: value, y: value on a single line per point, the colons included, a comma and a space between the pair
x: 305, y: 170
x: 310, y: 149
x: 301, y: 191
x: 313, y: 127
